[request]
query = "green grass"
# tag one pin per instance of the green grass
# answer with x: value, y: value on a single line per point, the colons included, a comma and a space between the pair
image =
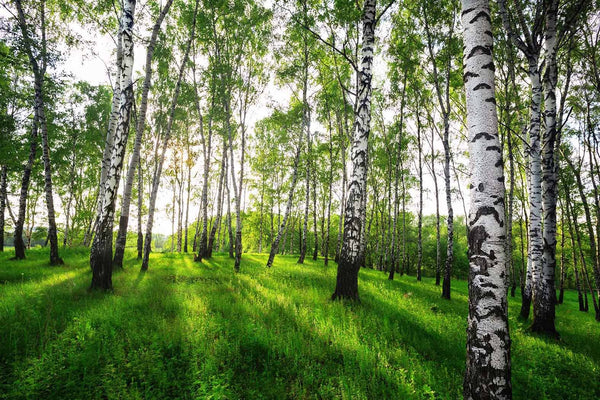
x: 185, y: 330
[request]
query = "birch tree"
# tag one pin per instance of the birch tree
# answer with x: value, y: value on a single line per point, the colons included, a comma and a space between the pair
x: 164, y: 142
x: 101, y: 252
x: 139, y: 131
x: 38, y: 66
x: 488, y: 343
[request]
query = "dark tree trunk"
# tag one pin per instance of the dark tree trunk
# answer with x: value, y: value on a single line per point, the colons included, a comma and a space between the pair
x: 140, y: 235
x: 19, y: 243
x: 590, y: 231
x: 3, y: 197
x: 288, y: 208
x: 420, y: 213
x: 574, y: 258
x: 217, y: 222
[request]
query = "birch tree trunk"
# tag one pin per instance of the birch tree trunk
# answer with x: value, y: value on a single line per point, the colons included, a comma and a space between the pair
x: 237, y: 190
x: 101, y: 252
x: 306, y: 131
x: 140, y: 235
x: 590, y: 231
x: 38, y: 68
x: 561, y: 295
x: 535, y: 188
x: 315, y: 232
x: 450, y: 218
x: 217, y: 223
x: 574, y: 254
x: 488, y: 343
x: 187, y: 198
x: 3, y: 197
x: 420, y: 212
x: 330, y: 184
x: 137, y: 144
x: 203, y: 249
x: 19, y: 243
x: 229, y: 228
x: 438, y: 244
x: 544, y: 297
x: 355, y: 213
x: 167, y: 137
x: 288, y: 208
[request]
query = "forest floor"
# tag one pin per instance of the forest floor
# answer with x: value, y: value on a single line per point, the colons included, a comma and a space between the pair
x: 188, y: 330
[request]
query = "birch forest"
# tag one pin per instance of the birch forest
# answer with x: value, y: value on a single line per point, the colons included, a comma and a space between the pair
x: 299, y: 199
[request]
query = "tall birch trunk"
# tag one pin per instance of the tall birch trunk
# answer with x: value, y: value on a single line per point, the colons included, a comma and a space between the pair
x: 140, y: 235
x: 217, y: 223
x: 306, y: 131
x: 535, y: 191
x: 204, y: 250
x: 237, y: 189
x: 187, y: 198
x: 438, y: 244
x: 165, y: 142
x: 354, y: 218
x: 101, y: 253
x: 3, y: 197
x: 420, y: 213
x: 487, y: 372
x: 19, y: 243
x: 574, y: 254
x: 544, y: 296
x: 38, y: 68
x: 590, y: 231
x: 288, y: 208
x: 137, y: 144
x: 330, y: 183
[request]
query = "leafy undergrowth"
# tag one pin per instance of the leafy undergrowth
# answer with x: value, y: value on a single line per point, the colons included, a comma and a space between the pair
x: 188, y: 330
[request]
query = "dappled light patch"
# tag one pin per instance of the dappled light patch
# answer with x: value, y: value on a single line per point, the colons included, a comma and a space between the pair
x: 185, y: 329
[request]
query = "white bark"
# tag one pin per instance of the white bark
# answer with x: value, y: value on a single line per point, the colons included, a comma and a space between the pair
x: 101, y: 255
x: 488, y: 344
x: 355, y: 213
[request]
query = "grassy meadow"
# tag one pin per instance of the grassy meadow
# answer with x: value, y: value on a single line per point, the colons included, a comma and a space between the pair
x: 198, y: 331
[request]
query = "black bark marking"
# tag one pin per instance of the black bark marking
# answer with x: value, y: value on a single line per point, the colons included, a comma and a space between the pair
x: 480, y: 135
x: 479, y: 50
x: 468, y: 10
x: 468, y: 75
x: 489, y: 285
x: 482, y: 86
x: 487, y: 210
x: 490, y: 100
x: 482, y: 263
x: 494, y: 148
x: 480, y: 187
x: 481, y: 14
x: 489, y: 66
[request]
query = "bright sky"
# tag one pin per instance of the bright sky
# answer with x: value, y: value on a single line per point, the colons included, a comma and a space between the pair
x: 91, y: 63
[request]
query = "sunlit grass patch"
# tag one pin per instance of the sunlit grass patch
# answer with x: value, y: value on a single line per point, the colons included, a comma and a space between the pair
x: 198, y: 330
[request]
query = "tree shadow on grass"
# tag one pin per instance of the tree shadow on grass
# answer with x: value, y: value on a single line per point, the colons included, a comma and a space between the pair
x: 130, y: 343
